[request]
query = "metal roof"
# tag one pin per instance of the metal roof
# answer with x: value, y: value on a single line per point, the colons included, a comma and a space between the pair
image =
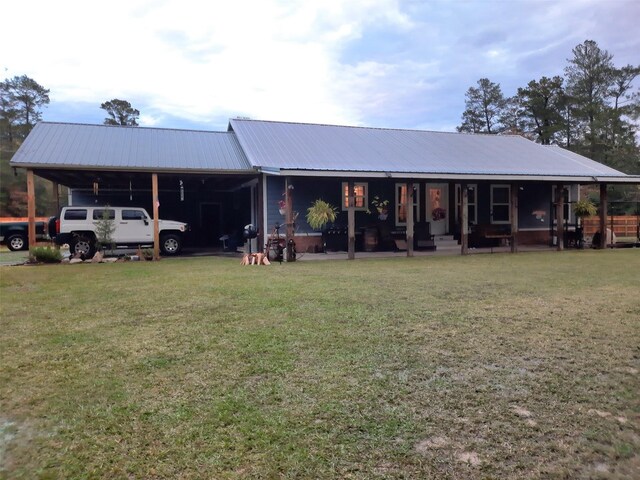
x: 65, y: 145
x: 300, y: 146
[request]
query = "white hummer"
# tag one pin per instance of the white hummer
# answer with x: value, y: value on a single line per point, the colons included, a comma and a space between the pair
x: 77, y: 227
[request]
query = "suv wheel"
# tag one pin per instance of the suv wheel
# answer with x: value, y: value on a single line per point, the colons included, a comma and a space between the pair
x: 16, y: 242
x: 82, y: 245
x: 170, y: 244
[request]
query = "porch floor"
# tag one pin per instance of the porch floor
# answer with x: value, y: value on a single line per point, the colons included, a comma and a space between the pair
x: 440, y: 251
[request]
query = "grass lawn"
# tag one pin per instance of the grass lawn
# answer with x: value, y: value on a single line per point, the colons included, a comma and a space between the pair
x: 487, y: 366
x: 9, y: 257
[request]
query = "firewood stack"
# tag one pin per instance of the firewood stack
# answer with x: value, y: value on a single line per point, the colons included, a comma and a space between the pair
x: 255, y: 259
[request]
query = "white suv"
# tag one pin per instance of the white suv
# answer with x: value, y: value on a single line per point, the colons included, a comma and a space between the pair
x: 77, y: 227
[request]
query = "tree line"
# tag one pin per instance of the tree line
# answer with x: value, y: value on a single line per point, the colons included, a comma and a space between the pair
x: 592, y: 110
x: 22, y: 100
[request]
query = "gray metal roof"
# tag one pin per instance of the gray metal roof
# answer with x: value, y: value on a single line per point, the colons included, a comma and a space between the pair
x: 64, y: 145
x: 299, y: 146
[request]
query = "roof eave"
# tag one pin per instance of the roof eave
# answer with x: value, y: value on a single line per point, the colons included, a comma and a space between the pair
x: 110, y: 168
x: 628, y: 179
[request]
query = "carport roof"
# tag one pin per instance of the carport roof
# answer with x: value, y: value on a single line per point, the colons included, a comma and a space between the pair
x: 81, y: 146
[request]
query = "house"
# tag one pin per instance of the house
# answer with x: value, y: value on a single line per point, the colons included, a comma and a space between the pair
x: 477, y: 188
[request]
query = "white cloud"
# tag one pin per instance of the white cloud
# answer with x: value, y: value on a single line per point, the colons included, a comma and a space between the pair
x: 333, y: 61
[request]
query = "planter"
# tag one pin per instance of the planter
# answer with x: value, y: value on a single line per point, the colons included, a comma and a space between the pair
x: 383, y: 216
x: 370, y: 239
x: 282, y: 211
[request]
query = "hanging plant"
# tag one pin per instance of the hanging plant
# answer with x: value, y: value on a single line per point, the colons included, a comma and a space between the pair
x: 320, y: 213
x: 584, y: 208
x: 282, y: 207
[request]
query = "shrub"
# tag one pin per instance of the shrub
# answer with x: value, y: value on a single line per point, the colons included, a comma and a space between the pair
x: 45, y: 255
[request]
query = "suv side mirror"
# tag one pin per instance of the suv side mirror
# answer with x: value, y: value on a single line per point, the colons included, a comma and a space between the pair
x: 146, y: 222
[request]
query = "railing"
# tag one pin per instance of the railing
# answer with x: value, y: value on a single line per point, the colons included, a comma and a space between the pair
x: 622, y: 225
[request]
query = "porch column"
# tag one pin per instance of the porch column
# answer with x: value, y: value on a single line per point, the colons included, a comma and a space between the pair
x: 515, y: 189
x: 156, y: 217
x: 464, y: 219
x: 603, y: 215
x: 262, y: 228
x: 31, y: 209
x: 56, y: 196
x: 351, y: 220
x: 560, y: 215
x: 288, y: 190
x: 410, y: 194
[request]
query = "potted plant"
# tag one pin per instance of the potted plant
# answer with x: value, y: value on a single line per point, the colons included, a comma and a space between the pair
x: 582, y: 209
x: 438, y: 213
x: 282, y: 207
x: 381, y: 206
x: 320, y: 213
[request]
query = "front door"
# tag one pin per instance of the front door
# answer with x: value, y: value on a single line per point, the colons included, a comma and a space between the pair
x: 437, y: 211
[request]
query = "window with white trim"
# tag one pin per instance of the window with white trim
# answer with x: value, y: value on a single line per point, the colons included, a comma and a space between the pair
x: 472, y: 210
x: 568, y: 211
x: 500, y: 203
x: 401, y: 204
x: 360, y: 192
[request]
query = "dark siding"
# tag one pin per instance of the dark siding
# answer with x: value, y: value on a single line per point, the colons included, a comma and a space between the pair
x: 534, y: 197
x: 307, y: 190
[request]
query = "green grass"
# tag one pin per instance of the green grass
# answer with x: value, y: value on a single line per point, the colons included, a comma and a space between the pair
x: 9, y: 257
x: 486, y: 366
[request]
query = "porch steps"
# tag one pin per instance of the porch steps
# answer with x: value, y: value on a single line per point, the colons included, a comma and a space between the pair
x: 445, y: 242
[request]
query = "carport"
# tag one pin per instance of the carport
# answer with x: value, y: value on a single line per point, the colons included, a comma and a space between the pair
x: 198, y: 177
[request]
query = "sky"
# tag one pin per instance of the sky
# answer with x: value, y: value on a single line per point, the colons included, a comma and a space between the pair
x: 382, y: 63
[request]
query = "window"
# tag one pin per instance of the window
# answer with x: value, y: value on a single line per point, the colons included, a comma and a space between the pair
x: 75, y: 214
x: 360, y: 192
x: 401, y: 203
x: 133, y: 215
x: 99, y: 214
x: 568, y: 212
x: 472, y: 210
x: 500, y: 204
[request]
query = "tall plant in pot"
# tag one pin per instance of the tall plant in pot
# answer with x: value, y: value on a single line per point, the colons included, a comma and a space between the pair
x: 583, y: 209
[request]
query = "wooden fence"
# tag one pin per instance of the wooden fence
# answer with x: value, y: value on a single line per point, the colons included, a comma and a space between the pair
x: 623, y: 225
x: 22, y: 219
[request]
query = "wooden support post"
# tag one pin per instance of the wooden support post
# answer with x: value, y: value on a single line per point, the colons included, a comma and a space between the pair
x: 515, y: 190
x: 560, y: 216
x: 262, y: 228
x: 410, y: 194
x: 156, y: 216
x: 31, y: 209
x: 56, y: 196
x: 351, y: 220
x: 603, y: 216
x: 464, y: 219
x: 289, y: 217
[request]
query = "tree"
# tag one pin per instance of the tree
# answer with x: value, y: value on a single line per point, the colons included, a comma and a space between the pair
x: 484, y: 107
x: 589, y: 78
x: 120, y: 113
x: 21, y: 100
x: 105, y: 228
x: 542, y: 106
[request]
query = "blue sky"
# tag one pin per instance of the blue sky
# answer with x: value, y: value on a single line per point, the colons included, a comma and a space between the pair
x: 400, y: 64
